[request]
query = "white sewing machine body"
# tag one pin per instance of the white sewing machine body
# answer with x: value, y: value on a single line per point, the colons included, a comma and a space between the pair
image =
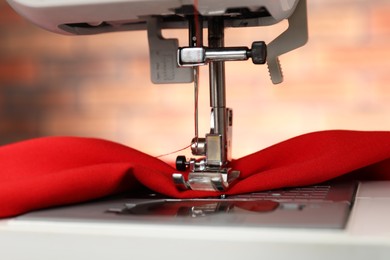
x: 63, y: 16
x: 40, y: 236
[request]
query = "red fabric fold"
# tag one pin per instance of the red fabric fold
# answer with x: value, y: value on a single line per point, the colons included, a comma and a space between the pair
x: 55, y: 171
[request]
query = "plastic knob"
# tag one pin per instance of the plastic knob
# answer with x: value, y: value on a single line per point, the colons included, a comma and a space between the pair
x: 181, y: 161
x: 258, y: 52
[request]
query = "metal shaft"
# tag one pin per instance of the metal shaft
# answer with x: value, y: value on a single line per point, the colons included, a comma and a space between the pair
x: 196, y: 40
x: 217, y: 83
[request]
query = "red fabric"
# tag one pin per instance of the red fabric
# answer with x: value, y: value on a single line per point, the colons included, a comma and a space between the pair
x: 54, y: 171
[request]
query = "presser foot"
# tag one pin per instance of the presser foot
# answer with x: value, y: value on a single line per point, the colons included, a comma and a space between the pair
x: 206, y: 180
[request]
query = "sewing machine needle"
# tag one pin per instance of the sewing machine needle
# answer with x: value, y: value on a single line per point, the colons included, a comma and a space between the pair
x: 196, y: 40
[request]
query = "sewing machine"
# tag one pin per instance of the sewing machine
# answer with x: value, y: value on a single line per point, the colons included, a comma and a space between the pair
x: 171, y: 63
x: 89, y: 231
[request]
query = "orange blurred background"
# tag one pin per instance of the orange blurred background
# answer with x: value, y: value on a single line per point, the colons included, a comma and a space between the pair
x: 99, y: 86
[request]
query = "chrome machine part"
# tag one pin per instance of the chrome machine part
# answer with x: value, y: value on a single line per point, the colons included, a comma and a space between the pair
x: 212, y: 172
x: 202, y: 55
x: 218, y: 141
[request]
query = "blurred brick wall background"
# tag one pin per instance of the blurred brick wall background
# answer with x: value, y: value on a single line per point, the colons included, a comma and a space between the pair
x: 99, y: 86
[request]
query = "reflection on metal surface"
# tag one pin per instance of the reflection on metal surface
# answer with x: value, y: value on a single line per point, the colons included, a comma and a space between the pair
x: 195, y: 207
